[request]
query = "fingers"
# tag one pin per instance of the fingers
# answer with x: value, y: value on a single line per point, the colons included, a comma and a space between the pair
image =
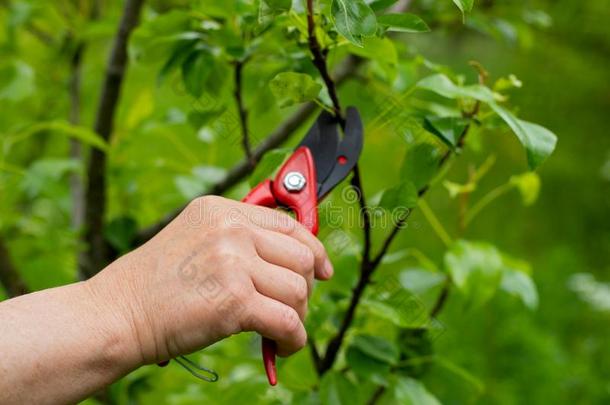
x: 287, y: 252
x: 281, y: 222
x: 282, y: 285
x: 276, y: 321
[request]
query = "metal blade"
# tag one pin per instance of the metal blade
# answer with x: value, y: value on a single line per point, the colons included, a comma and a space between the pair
x: 323, y: 141
x: 347, y: 154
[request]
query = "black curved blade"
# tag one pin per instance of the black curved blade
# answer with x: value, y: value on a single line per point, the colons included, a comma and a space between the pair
x: 347, y: 154
x: 323, y: 141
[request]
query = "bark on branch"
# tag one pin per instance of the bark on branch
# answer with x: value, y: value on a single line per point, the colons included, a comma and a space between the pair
x: 98, y: 253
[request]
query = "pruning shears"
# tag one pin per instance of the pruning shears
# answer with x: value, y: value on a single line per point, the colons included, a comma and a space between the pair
x: 320, y: 162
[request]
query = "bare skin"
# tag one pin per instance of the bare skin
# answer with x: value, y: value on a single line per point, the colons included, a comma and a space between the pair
x: 220, y: 268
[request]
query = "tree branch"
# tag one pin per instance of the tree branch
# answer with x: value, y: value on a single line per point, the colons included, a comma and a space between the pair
x: 242, y: 112
x: 367, y: 270
x: 77, y: 191
x: 98, y: 253
x: 9, y: 276
x: 319, y: 60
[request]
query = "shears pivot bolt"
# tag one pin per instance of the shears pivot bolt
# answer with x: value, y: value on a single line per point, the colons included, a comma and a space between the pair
x: 294, y: 181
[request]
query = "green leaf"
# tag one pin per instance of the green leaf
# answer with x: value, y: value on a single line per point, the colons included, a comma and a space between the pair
x: 83, y: 134
x: 528, y: 185
x: 420, y: 281
x: 409, y: 313
x: 292, y: 88
x: 377, y: 49
x: 403, y: 195
x: 520, y: 284
x: 354, y: 19
x: 538, y: 141
x: 367, y: 367
x: 196, y: 70
x: 420, y: 164
x: 267, y: 166
x: 447, y: 129
x: 516, y: 280
x: 442, y: 85
x: 379, y: 5
x: 405, y: 22
x: 475, y: 269
x: 377, y: 348
x: 465, y: 6
x: 409, y: 391
x: 336, y: 389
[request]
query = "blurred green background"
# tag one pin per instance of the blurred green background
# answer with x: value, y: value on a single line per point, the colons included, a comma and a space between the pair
x: 500, y: 353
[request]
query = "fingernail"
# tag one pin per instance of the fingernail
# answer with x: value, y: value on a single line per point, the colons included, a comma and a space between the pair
x: 328, y: 269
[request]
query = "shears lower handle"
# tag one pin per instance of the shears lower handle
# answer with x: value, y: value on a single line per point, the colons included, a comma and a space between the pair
x: 298, y: 197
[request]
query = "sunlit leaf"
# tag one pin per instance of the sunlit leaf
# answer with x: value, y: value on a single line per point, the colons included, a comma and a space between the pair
x: 520, y: 284
x: 475, y: 269
x: 528, y: 185
x: 354, y: 19
x: 443, y: 86
x: 465, y: 6
x: 538, y: 141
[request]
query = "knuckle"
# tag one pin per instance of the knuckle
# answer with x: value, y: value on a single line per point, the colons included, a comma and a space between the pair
x: 307, y: 259
x: 291, y: 323
x: 301, y: 290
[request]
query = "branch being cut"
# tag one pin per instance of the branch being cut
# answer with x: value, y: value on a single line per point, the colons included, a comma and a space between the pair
x: 98, y: 253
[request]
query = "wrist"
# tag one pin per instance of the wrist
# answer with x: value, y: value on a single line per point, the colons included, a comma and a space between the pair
x: 114, y: 326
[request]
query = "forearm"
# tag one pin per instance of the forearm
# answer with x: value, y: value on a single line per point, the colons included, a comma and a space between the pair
x: 61, y: 345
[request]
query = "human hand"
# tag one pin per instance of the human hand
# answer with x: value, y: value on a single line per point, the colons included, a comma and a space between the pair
x: 220, y: 268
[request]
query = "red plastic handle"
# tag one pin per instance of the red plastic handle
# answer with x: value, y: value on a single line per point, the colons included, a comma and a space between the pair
x: 304, y: 203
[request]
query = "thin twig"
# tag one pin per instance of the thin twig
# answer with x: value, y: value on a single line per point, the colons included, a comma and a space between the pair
x: 242, y: 112
x: 319, y: 60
